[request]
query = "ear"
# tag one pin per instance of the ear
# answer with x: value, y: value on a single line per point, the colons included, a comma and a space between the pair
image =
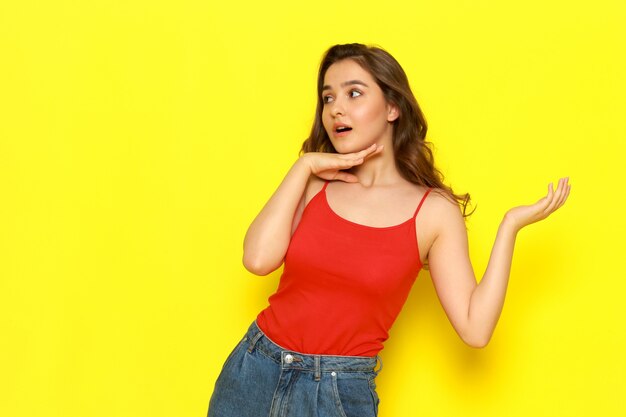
x: 392, y: 112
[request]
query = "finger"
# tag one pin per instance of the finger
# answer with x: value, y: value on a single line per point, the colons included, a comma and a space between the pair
x: 358, y: 154
x: 564, y: 197
x: 557, y: 196
x: 544, y: 208
x: 561, y: 193
x: 348, y: 163
x: 366, y: 151
x: 378, y: 150
x: 569, y: 187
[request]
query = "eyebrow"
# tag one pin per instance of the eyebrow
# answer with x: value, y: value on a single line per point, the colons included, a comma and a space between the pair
x: 351, y: 82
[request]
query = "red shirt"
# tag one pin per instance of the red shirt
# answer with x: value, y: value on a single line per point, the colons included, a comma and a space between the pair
x: 343, y: 283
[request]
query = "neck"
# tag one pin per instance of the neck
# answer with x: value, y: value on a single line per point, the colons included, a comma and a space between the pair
x: 379, y: 169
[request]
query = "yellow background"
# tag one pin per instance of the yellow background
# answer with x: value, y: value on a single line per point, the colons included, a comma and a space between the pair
x: 138, y: 140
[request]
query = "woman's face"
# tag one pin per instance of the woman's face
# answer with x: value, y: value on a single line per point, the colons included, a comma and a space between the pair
x: 351, y: 97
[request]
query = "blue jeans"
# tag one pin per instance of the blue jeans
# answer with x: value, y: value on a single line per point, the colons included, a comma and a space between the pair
x: 263, y: 379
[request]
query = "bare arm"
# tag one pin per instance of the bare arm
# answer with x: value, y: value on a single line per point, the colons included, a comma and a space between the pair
x: 268, y: 237
x: 474, y: 309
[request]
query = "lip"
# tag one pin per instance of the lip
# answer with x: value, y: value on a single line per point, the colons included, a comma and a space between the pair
x: 336, y: 125
x: 341, y: 134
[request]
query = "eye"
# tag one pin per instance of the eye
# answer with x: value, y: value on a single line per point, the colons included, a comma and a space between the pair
x: 325, y: 99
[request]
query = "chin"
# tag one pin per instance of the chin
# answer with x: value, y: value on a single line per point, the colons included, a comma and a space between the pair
x: 345, y: 149
x: 349, y: 148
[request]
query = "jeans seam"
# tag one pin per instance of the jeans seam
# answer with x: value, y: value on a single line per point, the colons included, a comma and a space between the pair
x: 336, y: 395
x: 266, y: 354
x: 372, y: 387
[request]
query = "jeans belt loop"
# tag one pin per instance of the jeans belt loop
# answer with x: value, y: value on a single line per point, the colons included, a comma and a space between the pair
x: 378, y: 359
x: 254, y: 340
x: 318, y: 375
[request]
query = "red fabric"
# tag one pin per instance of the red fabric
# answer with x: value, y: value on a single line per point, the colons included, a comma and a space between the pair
x: 343, y: 283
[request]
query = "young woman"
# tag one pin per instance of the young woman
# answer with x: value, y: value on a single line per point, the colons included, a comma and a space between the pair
x: 360, y: 212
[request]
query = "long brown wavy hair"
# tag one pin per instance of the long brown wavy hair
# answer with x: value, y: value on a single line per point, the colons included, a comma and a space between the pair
x: 412, y: 153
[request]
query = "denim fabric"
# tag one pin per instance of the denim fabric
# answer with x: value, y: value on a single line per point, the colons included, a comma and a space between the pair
x: 263, y: 379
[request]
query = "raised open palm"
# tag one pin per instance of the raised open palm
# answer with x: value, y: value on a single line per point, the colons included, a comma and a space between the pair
x: 524, y: 215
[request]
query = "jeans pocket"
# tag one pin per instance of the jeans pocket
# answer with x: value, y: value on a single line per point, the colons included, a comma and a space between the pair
x: 353, y: 395
x: 337, y: 398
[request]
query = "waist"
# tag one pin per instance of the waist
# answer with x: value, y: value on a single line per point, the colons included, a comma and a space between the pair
x: 325, y: 326
x: 290, y: 359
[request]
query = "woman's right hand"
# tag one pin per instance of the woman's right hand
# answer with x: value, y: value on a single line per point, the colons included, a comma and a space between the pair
x: 268, y: 237
x: 329, y: 166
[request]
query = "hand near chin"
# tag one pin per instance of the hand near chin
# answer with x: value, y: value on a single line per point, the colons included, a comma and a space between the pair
x: 330, y: 166
x: 524, y: 215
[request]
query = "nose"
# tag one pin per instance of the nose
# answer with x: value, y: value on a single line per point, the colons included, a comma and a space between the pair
x: 336, y: 108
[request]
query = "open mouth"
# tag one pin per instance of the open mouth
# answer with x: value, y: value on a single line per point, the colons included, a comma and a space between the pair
x: 343, y: 129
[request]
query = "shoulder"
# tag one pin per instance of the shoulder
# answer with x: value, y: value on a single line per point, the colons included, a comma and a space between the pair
x: 442, y: 210
x: 440, y: 200
x: 313, y: 186
x: 439, y: 216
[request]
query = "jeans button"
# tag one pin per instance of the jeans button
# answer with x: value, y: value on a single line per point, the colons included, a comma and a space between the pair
x: 288, y: 358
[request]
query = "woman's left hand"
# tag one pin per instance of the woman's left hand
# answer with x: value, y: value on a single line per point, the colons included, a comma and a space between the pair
x: 524, y: 215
